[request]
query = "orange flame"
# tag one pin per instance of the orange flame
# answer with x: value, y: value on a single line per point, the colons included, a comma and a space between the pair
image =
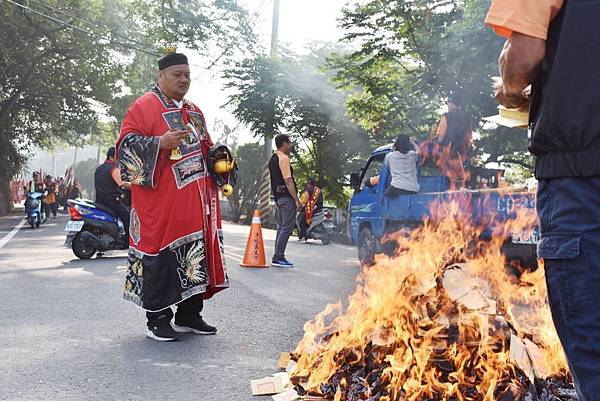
x: 436, y: 321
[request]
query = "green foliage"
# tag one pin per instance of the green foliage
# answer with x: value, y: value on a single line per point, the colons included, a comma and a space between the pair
x: 413, y: 53
x: 196, y: 25
x: 245, y: 194
x: 54, y: 77
x: 57, y: 77
x: 306, y: 106
x: 259, y: 94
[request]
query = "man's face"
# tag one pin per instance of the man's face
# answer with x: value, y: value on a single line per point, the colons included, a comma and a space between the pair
x: 287, y: 147
x: 175, y: 81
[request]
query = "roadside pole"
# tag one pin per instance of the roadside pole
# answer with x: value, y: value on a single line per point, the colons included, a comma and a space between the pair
x: 265, y: 187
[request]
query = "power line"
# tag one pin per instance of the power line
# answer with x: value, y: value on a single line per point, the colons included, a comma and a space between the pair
x: 91, y: 24
x: 66, y: 24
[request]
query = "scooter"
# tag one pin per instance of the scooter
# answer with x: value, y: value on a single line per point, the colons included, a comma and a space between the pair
x: 34, y: 210
x: 93, y: 228
x: 321, y: 226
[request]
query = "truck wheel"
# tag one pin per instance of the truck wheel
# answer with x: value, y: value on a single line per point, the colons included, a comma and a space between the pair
x: 366, y: 246
x: 81, y: 250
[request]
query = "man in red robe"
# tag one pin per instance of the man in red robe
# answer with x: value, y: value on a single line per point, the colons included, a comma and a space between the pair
x: 176, y: 245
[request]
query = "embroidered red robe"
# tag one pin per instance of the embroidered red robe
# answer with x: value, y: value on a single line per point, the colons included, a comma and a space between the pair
x: 175, y: 237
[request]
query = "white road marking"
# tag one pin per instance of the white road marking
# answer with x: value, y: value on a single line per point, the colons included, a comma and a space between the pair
x: 11, y: 234
x: 236, y: 257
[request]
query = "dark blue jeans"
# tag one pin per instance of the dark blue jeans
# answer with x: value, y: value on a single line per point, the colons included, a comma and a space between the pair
x: 569, y: 217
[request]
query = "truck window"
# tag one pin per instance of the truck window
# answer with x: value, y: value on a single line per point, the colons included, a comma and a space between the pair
x: 372, y: 169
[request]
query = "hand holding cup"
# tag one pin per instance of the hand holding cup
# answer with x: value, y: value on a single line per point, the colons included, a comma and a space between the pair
x: 172, y: 138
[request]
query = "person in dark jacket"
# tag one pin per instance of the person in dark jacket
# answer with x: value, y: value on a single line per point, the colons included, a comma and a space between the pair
x: 109, y: 187
x: 554, y: 46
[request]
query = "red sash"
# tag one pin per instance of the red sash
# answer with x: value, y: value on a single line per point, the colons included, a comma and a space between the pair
x: 310, y: 205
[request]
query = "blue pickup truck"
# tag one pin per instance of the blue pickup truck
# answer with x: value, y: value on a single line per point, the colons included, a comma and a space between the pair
x: 373, y: 215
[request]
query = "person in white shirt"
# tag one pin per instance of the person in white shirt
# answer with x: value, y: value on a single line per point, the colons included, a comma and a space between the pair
x: 402, y: 162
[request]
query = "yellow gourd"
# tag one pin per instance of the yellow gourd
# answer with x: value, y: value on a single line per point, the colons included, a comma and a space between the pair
x: 223, y: 166
x: 227, y: 190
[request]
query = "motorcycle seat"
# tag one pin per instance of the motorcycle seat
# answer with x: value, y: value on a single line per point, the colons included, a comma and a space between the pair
x: 103, y: 208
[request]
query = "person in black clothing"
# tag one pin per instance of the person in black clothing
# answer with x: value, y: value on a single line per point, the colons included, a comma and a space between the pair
x: 554, y: 46
x: 312, y: 199
x: 455, y: 130
x: 110, y: 186
x: 454, y: 138
x: 286, y: 197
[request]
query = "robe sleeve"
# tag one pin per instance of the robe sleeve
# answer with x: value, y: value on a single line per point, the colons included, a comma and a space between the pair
x: 138, y: 150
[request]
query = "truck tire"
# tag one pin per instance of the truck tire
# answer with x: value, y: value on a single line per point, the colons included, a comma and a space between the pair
x: 367, y: 246
x: 80, y: 249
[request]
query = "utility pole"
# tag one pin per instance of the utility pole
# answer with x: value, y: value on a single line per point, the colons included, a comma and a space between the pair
x: 275, y: 29
x: 265, y: 187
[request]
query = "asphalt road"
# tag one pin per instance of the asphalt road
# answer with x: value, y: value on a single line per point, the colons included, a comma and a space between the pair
x: 66, y: 333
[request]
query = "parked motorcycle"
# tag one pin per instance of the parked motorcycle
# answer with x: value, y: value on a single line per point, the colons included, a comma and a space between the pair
x: 93, y: 228
x: 321, y: 226
x: 34, y: 209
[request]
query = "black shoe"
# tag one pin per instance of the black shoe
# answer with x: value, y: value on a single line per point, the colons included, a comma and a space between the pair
x: 194, y: 325
x: 161, y: 330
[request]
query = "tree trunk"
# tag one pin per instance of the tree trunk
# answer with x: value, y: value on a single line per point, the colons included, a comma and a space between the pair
x: 5, y: 196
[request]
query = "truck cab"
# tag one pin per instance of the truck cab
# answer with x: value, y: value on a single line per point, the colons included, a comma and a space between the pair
x: 373, y: 215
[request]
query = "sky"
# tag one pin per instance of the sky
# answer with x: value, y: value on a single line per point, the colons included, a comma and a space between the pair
x: 300, y: 23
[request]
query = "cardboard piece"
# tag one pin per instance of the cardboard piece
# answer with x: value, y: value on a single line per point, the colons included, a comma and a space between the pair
x: 492, y: 308
x: 474, y: 300
x: 456, y: 283
x: 289, y: 395
x: 284, y: 358
x: 520, y: 357
x: 425, y: 286
x: 269, y: 385
x: 290, y: 366
x: 537, y: 359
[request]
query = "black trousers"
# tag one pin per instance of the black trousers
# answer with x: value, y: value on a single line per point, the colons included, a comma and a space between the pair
x: 187, y: 309
x: 302, y: 225
x: 119, y: 208
x: 394, y: 192
x: 51, y: 208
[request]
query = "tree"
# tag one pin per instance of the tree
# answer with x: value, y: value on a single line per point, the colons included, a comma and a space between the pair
x: 245, y: 194
x: 259, y: 98
x: 228, y: 136
x: 62, y: 62
x: 308, y: 108
x: 53, y: 75
x: 412, y: 53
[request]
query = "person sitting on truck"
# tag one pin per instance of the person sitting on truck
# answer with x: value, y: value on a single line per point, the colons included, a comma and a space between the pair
x: 402, y: 162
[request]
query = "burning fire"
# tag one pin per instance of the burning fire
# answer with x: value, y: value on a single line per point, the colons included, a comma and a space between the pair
x: 444, y: 319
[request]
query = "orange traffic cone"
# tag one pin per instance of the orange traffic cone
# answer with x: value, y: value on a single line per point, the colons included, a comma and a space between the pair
x: 255, y: 248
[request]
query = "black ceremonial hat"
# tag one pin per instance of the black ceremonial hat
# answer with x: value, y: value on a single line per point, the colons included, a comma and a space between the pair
x: 171, y: 58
